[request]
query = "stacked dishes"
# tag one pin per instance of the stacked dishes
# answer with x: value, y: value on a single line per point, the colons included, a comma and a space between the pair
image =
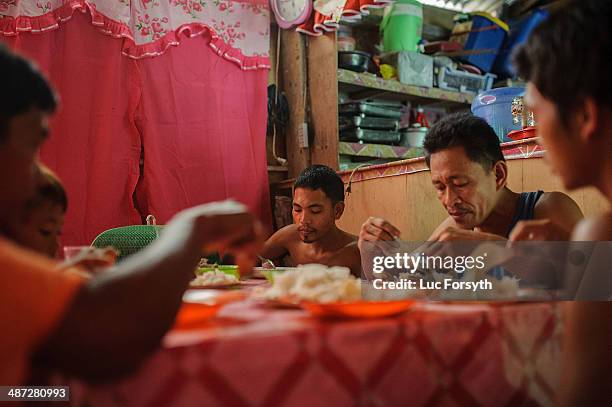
x: 370, y: 122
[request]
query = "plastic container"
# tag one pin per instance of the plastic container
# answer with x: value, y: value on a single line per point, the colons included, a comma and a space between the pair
x: 344, y: 31
x: 495, y: 106
x: 346, y: 44
x: 484, y: 35
x: 402, y: 26
x: 413, y: 68
x: 460, y: 81
x: 413, y: 137
x: 519, y: 32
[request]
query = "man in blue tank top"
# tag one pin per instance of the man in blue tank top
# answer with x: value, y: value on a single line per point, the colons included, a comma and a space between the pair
x: 469, y: 173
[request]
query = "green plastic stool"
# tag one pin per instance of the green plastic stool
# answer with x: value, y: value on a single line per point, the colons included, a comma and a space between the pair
x: 128, y: 240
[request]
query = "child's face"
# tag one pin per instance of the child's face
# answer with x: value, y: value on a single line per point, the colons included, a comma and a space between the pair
x: 41, y: 228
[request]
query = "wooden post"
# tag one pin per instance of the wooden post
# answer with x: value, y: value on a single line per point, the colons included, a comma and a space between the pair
x: 322, y: 61
x: 293, y: 66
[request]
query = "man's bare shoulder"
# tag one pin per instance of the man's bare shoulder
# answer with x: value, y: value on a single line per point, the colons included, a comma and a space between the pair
x: 349, y: 242
x: 594, y: 228
x: 289, y: 230
x: 350, y: 255
x: 282, y: 241
x: 349, y: 238
x: 556, y: 203
x: 351, y: 247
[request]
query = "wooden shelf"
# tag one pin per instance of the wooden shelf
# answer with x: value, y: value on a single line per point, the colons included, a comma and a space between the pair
x: 277, y: 168
x: 365, y: 85
x: 378, y: 150
x: 513, y: 150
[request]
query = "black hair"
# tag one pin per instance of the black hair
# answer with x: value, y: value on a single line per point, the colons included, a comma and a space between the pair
x: 322, y: 177
x: 465, y: 130
x: 23, y: 87
x: 49, y: 188
x: 567, y: 57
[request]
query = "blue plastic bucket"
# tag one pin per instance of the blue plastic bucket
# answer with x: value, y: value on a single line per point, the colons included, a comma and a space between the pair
x: 495, y: 106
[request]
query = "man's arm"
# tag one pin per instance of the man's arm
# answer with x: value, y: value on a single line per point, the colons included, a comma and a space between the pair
x: 119, y: 317
x: 277, y: 246
x: 351, y: 258
x: 598, y: 228
x: 555, y: 216
x: 591, y: 280
x: 589, y: 334
x: 587, y: 358
x: 560, y: 209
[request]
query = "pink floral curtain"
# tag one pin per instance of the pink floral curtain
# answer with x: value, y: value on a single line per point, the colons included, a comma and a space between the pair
x: 238, y: 29
x: 199, y: 119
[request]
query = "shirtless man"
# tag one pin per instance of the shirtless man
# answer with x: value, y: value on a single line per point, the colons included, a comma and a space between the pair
x: 318, y: 202
x: 572, y: 101
x: 469, y: 173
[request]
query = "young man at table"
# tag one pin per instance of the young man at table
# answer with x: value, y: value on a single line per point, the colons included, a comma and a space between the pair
x: 105, y: 326
x: 469, y: 173
x: 566, y: 62
x: 318, y: 202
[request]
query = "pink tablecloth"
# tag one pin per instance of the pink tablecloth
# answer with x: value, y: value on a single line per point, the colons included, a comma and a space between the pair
x: 435, y: 355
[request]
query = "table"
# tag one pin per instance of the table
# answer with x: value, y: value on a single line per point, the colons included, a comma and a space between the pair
x: 437, y: 354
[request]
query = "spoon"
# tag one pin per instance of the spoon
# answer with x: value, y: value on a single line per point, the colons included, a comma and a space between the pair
x: 266, y: 261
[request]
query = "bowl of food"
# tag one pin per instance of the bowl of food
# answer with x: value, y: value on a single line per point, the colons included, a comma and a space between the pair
x: 223, y: 268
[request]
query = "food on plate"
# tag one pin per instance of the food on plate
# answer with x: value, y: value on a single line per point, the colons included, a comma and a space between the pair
x: 214, y: 278
x: 227, y: 269
x: 315, y: 282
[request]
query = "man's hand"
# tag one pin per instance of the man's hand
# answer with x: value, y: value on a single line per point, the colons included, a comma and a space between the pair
x: 241, y: 235
x: 440, y: 245
x: 540, y: 229
x: 225, y: 227
x: 91, y: 259
x: 377, y: 229
x: 235, y: 232
x: 451, y: 234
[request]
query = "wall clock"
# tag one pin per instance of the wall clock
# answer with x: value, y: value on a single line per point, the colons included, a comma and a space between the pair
x: 290, y: 13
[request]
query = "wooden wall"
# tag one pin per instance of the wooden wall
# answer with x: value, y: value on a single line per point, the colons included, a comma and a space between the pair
x: 409, y: 201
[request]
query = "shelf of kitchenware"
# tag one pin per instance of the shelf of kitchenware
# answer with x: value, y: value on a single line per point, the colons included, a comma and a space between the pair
x: 367, y: 85
x: 513, y: 149
x: 378, y: 150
